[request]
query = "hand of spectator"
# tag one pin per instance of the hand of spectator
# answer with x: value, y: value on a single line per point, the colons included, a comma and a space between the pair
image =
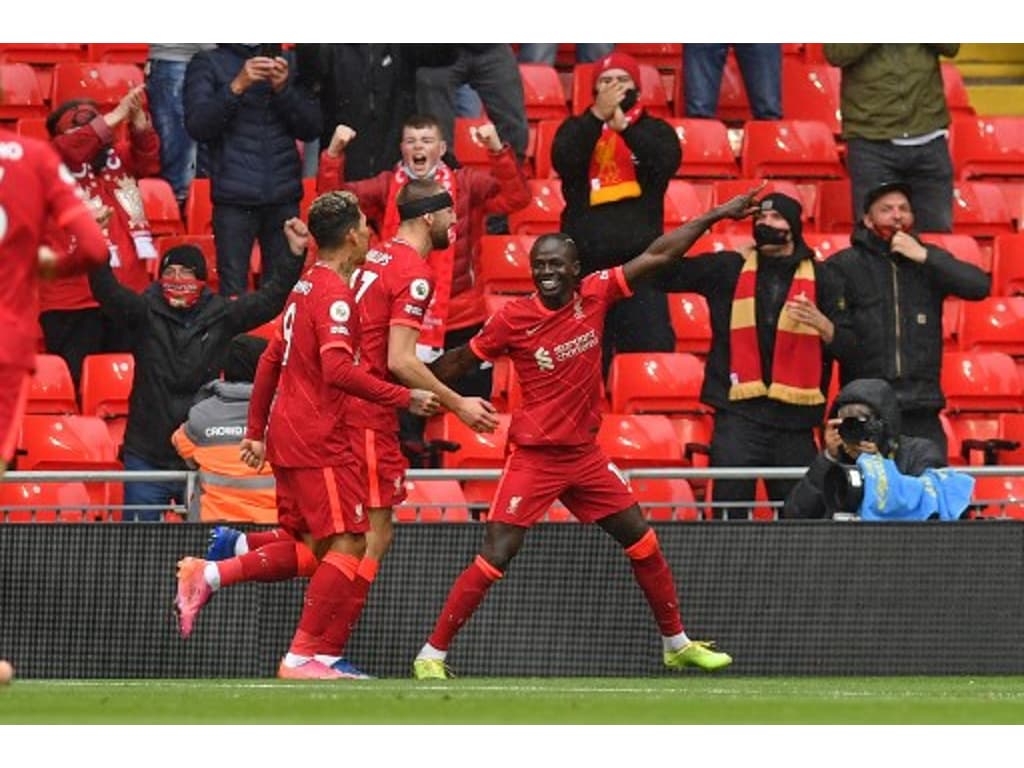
x: 805, y: 311
x: 833, y: 442
x: 424, y: 403
x: 742, y: 205
x: 477, y: 413
x: 607, y: 99
x: 853, y: 450
x: 297, y: 234
x: 253, y: 71
x: 618, y: 121
x: 908, y: 245
x: 279, y: 74
x: 343, y: 134
x: 253, y: 453
x: 130, y: 103
x: 487, y: 135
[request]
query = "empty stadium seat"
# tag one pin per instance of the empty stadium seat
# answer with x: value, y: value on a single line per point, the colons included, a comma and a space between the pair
x: 106, y: 84
x: 958, y: 100
x: 42, y: 53
x: 20, y: 94
x: 1008, y: 265
x: 199, y: 208
x: 964, y: 247
x: 469, y: 149
x: 433, y: 501
x: 65, y: 442
x: 996, y: 323
x: 984, y: 147
x: 479, y: 450
x: 203, y: 242
x: 52, y: 389
x: 106, y: 388
x: 811, y: 92
x: 726, y: 189
x: 543, y: 96
x: 656, y: 382
x: 118, y: 53
x: 707, y: 153
x: 682, y: 203
x: 1000, y: 496
x: 44, y: 502
x: 824, y: 244
x: 800, y: 149
x: 980, y: 381
x: 544, y: 213
x: 653, y: 95
x: 834, y: 207
x: 639, y: 440
x: 657, y: 55
x: 33, y: 127
x: 980, y: 209
x: 693, y: 433
x: 545, y: 138
x: 691, y: 322
x: 505, y: 264
x: 951, y: 307
x: 671, y: 499
x: 161, y: 207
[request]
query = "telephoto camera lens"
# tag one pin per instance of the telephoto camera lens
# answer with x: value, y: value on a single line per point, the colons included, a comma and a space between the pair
x: 844, y: 489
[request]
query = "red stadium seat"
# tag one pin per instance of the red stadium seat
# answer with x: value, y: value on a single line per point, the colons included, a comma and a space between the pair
x: 964, y: 247
x: 542, y: 167
x: 433, y: 501
x: 106, y: 84
x: 20, y: 94
x: 733, y: 104
x: 958, y: 100
x: 33, y: 127
x: 811, y: 92
x: 1008, y: 265
x: 985, y: 147
x: 66, y: 442
x: 980, y: 210
x: 1000, y: 496
x: 682, y: 203
x: 44, y: 502
x: 106, y: 388
x: 653, y: 95
x: 41, y: 53
x: 199, y: 208
x: 505, y: 264
x: 951, y: 308
x: 51, y: 389
x: 981, y: 381
x: 1011, y: 427
x: 656, y: 382
x: 834, y: 209
x: 308, y: 196
x: 544, y: 213
x: 799, y: 149
x: 469, y: 149
x: 161, y: 207
x: 657, y: 55
x: 476, y: 449
x: 646, y: 440
x: 826, y: 244
x: 707, y: 153
x: 726, y: 241
x: 118, y: 53
x: 726, y: 189
x: 670, y: 499
x: 543, y: 96
x: 691, y: 322
x: 204, y: 243
x: 693, y: 433
x: 995, y: 323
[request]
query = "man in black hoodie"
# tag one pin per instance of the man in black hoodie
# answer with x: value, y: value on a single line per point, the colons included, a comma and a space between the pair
x: 873, y: 402
x: 777, y: 321
x: 894, y: 286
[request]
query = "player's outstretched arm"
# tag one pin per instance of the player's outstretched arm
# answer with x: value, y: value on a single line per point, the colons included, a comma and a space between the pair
x: 673, y: 244
x: 454, y: 364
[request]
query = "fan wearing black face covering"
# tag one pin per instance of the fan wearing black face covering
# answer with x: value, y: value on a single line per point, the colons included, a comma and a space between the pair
x: 895, y: 283
x: 777, y: 322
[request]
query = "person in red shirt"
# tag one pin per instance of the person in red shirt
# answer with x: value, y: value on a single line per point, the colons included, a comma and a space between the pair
x: 553, y: 338
x: 310, y: 374
x: 107, y: 171
x: 37, y: 192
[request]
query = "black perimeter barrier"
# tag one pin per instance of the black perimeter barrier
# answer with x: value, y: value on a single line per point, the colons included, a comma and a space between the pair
x: 784, y: 598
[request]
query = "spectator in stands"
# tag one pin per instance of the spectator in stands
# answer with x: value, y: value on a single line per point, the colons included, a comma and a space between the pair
x: 760, y: 65
x: 107, y: 172
x: 873, y: 404
x: 894, y: 287
x: 546, y: 53
x: 165, y: 87
x: 209, y: 441
x: 615, y: 161
x: 492, y: 71
x: 895, y: 122
x: 182, y: 334
x: 777, y: 320
x: 244, y: 102
x: 457, y: 311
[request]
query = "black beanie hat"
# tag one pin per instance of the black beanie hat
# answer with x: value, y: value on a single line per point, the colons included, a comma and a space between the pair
x: 187, y: 256
x: 243, y: 356
x: 788, y: 208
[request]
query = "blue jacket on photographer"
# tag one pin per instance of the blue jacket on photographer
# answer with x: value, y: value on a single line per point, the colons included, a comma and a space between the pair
x: 898, y: 472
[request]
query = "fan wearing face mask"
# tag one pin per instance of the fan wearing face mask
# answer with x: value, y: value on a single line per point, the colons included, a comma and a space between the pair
x: 895, y: 284
x: 777, y: 322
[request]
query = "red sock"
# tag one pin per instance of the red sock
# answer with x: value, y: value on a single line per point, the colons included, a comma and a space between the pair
x: 328, y: 591
x: 651, y: 571
x: 257, y: 539
x: 465, y: 597
x: 337, y: 634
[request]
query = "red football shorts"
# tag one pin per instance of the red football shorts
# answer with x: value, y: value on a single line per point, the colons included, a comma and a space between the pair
x: 385, y: 467
x: 14, y: 386
x: 583, y: 477
x: 321, y: 501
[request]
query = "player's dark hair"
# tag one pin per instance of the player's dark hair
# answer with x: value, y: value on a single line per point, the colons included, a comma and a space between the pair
x: 332, y: 216
x: 418, y: 189
x: 559, y: 237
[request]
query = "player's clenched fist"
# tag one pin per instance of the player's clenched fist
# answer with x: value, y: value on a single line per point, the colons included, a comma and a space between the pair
x: 423, y: 403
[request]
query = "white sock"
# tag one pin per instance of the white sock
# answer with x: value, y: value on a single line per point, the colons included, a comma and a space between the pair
x: 430, y: 652
x: 212, y: 575
x: 241, y: 545
x: 326, y: 660
x: 294, y: 660
x: 675, y: 642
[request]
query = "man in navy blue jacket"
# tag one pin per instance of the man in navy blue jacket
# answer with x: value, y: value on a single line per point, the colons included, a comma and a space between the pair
x: 245, y: 103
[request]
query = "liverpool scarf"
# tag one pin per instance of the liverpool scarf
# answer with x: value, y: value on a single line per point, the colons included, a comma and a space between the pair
x: 796, y: 362
x: 441, y: 262
x: 612, y: 172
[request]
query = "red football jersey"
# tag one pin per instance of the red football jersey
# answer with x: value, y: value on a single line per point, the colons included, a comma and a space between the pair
x: 557, y: 357
x: 393, y: 287
x: 307, y: 418
x: 35, y: 189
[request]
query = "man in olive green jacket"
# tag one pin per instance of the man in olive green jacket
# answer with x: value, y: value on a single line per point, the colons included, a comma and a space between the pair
x: 895, y: 122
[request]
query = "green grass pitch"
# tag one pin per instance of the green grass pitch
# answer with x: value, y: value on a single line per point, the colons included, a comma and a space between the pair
x: 687, y: 700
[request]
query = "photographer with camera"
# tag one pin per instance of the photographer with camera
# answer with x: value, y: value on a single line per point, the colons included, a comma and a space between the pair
x: 866, y: 423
